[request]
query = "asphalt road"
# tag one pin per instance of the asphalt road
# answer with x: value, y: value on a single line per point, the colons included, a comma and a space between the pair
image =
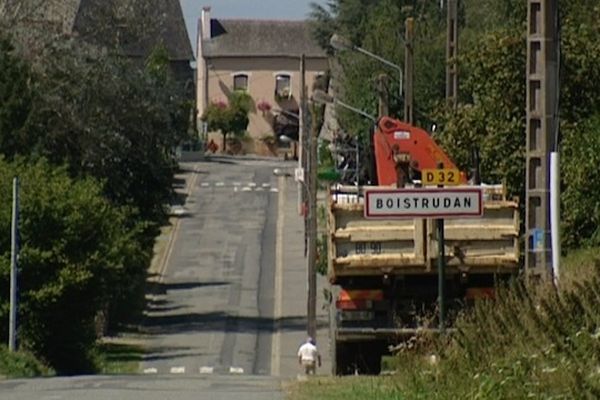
x: 227, y: 308
x: 212, y: 312
x: 143, y: 388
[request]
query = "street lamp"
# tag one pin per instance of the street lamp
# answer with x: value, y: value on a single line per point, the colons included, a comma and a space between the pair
x: 340, y: 43
x: 320, y: 96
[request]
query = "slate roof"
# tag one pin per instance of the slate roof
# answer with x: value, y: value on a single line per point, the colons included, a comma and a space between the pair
x: 161, y: 20
x: 83, y: 17
x: 260, y: 38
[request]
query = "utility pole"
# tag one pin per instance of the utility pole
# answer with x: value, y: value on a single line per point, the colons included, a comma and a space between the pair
x: 382, y: 94
x: 408, y: 69
x: 302, y: 135
x: 452, y: 53
x: 14, y: 251
x: 541, y: 131
x: 311, y: 313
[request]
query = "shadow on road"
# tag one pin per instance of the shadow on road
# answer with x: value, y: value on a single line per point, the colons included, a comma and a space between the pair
x: 219, y: 322
x: 160, y: 288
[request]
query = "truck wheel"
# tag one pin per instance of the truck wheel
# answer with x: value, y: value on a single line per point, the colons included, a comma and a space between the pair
x: 343, y: 360
x: 368, y: 358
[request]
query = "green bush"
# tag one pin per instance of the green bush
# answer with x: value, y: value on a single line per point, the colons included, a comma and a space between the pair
x: 580, y: 157
x: 20, y: 364
x: 77, y: 254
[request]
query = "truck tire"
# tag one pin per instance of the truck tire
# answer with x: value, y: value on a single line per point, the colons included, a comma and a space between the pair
x: 343, y: 361
x: 368, y: 357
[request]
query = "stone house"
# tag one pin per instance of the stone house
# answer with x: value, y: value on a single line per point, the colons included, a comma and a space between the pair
x: 261, y: 57
x: 136, y: 27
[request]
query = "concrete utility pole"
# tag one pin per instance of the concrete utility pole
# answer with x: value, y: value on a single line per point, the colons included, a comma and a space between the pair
x: 452, y: 53
x: 541, y: 128
x: 312, y: 232
x: 14, y: 268
x: 408, y: 69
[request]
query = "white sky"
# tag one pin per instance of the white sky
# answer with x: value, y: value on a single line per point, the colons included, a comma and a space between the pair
x: 251, y: 9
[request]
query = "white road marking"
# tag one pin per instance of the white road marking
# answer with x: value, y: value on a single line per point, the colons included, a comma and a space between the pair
x: 278, y: 308
x: 236, y: 370
x: 235, y: 189
x: 266, y: 185
x: 220, y: 184
x: 246, y: 189
x: 258, y: 189
x: 252, y: 184
x: 206, y: 370
x: 274, y: 190
x: 150, y: 371
x: 178, y: 370
x: 205, y: 184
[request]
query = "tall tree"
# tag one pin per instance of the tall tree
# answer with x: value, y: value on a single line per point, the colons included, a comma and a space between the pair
x: 15, y: 101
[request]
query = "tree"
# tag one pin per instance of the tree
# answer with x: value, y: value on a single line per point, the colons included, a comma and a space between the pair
x: 107, y: 118
x: 229, y: 118
x: 77, y: 254
x: 580, y: 157
x: 15, y: 101
x: 493, y: 118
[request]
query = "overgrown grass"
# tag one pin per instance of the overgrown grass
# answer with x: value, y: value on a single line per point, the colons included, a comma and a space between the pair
x: 531, y: 342
x: 347, y: 388
x: 117, y: 358
x: 21, y: 365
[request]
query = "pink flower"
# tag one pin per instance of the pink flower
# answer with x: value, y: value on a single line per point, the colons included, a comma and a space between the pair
x: 220, y: 103
x: 263, y: 106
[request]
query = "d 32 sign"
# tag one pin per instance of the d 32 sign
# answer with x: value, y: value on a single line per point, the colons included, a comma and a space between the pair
x: 446, y: 176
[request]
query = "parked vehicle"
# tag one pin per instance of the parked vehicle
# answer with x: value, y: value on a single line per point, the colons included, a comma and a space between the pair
x: 383, y: 272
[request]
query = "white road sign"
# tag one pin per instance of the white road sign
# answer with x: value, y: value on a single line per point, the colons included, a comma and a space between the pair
x: 424, y: 203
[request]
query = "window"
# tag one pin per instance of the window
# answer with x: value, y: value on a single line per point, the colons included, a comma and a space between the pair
x: 240, y: 82
x: 283, y: 87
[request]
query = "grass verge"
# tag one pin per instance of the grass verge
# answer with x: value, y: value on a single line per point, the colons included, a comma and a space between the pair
x: 118, y: 358
x: 21, y: 365
x: 530, y: 342
x: 346, y: 388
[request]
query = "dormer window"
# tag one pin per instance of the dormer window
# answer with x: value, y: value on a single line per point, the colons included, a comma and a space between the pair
x: 240, y: 82
x: 283, y: 86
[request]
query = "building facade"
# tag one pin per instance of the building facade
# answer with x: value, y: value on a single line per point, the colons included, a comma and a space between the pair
x: 261, y: 57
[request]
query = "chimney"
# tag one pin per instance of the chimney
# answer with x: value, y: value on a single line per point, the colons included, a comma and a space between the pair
x: 206, y: 34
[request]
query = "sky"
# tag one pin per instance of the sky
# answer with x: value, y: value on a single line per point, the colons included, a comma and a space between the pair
x: 251, y: 9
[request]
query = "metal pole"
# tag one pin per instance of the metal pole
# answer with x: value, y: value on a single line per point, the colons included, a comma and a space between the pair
x: 555, y: 213
x: 312, y: 232
x: 386, y: 62
x: 12, y: 328
x: 441, y: 269
x: 441, y: 273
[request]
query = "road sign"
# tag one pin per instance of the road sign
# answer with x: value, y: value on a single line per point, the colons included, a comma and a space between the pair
x: 423, y: 203
x: 299, y: 174
x: 446, y: 176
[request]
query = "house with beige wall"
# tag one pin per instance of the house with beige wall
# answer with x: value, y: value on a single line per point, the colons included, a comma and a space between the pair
x: 261, y: 57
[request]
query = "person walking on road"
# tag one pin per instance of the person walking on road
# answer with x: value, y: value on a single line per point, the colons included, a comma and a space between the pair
x: 309, y: 357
